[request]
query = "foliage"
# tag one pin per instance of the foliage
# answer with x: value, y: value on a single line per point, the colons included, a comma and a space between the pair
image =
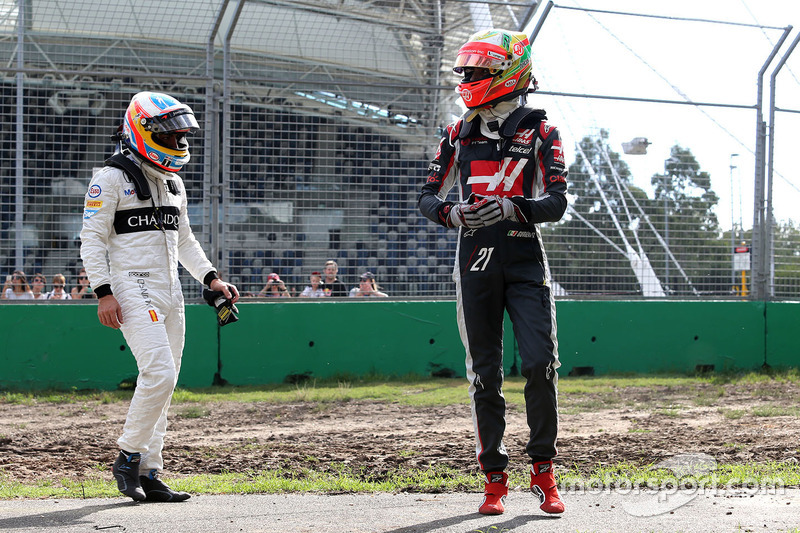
x: 582, y: 261
x: 786, y: 247
x: 611, y: 222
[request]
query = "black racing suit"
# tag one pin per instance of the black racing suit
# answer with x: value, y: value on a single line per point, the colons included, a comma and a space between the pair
x: 504, y: 267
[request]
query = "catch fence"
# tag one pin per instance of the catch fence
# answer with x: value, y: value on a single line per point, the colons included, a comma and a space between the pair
x: 318, y: 121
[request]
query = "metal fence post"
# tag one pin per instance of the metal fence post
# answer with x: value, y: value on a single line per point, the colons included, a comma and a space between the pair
x: 211, y: 163
x: 759, y: 278
x: 769, y: 261
x: 19, y: 185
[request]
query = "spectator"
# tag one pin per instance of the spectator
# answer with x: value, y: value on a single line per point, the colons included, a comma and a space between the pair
x: 58, y: 292
x: 316, y: 289
x: 367, y: 288
x: 16, y: 287
x: 39, y: 286
x: 333, y: 287
x: 275, y: 288
x: 82, y: 289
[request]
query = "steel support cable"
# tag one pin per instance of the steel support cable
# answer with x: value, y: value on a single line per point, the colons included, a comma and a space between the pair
x: 654, y: 70
x: 675, y: 88
x: 646, y: 218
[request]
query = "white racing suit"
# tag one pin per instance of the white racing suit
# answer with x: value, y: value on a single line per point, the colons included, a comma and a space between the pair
x: 144, y: 241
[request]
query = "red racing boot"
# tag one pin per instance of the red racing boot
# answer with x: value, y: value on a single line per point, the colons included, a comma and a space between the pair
x: 543, y: 485
x: 494, y: 493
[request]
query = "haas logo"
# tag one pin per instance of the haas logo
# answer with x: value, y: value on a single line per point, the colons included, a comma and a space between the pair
x: 524, y: 136
x: 466, y: 95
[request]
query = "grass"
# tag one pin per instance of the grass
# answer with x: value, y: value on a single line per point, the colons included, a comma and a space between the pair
x: 776, y: 410
x: 584, y: 393
x: 193, y: 411
x: 340, y: 478
x: 733, y: 414
x: 576, y: 394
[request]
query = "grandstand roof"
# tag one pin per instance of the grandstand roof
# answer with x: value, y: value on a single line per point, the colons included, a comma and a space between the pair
x: 386, y: 38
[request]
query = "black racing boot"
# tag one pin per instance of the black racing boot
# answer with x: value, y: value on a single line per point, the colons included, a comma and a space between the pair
x: 126, y: 472
x: 157, y: 491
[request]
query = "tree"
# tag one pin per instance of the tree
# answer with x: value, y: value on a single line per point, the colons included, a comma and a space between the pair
x: 586, y: 250
x: 684, y: 203
x: 786, y: 246
x: 613, y: 227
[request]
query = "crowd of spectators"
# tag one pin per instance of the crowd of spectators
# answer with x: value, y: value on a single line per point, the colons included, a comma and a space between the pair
x: 16, y: 287
x: 325, y: 284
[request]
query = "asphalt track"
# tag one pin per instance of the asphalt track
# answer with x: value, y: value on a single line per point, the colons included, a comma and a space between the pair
x: 710, y: 511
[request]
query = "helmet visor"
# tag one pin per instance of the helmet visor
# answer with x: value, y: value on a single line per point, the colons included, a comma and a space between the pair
x: 480, y: 55
x: 466, y: 60
x: 178, y: 120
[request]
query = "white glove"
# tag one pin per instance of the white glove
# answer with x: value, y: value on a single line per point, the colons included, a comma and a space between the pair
x: 493, y: 209
x: 464, y: 214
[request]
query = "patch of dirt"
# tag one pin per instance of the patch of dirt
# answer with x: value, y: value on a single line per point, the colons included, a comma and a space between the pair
x: 636, y: 425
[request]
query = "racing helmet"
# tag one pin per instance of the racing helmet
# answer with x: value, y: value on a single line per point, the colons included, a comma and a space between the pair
x: 155, y: 127
x: 506, y: 56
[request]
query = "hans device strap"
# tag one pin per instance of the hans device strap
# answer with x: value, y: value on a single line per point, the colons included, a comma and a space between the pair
x: 120, y: 161
x: 515, y: 119
x: 510, y: 125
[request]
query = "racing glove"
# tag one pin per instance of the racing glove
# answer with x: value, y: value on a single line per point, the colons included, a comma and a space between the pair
x: 493, y: 209
x: 464, y: 214
x: 227, y: 313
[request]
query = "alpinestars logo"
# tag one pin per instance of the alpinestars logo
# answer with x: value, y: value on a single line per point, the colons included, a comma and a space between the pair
x: 496, y: 478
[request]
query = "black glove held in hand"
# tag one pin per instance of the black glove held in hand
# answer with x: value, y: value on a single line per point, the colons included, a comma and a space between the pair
x: 226, y: 311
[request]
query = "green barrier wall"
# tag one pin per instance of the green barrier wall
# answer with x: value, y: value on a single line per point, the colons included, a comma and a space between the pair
x: 647, y: 336
x: 783, y: 330
x: 61, y: 346
x: 274, y: 341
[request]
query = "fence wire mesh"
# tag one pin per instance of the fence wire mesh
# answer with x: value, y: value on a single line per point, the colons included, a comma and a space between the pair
x: 318, y: 123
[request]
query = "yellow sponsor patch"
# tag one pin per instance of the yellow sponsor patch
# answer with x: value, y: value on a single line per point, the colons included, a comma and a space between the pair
x: 94, y: 203
x: 153, y: 315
